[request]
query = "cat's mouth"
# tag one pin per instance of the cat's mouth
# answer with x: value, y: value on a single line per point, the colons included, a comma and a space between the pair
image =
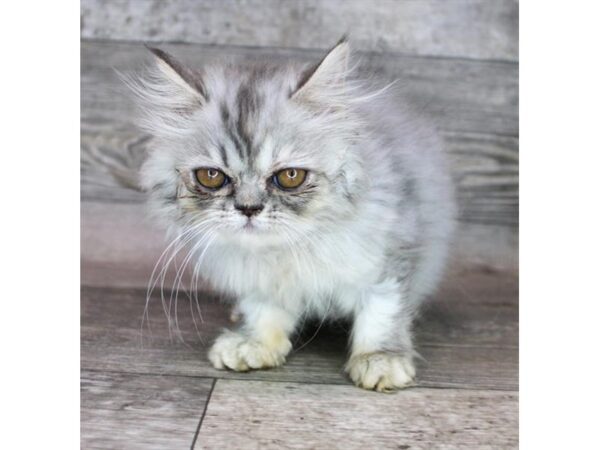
x: 254, y: 227
x: 250, y: 226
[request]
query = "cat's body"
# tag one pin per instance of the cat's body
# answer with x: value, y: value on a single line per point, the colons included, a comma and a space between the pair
x: 364, y: 236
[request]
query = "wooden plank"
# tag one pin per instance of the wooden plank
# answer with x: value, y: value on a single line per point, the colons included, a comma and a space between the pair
x: 486, y: 176
x: 140, y: 411
x: 485, y: 169
x: 288, y: 415
x: 461, y: 28
x: 475, y: 103
x: 462, y: 95
x: 466, y: 340
x: 120, y: 245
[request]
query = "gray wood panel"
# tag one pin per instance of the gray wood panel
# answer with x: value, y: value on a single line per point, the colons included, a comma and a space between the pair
x: 460, y: 28
x: 130, y: 411
x: 485, y: 169
x: 120, y: 245
x: 467, y: 337
x: 475, y: 104
x: 255, y: 415
x: 466, y: 96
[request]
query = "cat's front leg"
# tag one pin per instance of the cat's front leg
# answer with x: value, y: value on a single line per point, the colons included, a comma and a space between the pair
x: 381, y: 356
x: 262, y: 341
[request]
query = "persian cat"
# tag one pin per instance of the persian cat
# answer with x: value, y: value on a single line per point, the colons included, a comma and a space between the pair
x: 302, y: 192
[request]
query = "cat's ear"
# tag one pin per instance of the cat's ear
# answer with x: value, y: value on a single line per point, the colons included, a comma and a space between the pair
x: 187, y: 80
x: 167, y: 91
x: 328, y: 76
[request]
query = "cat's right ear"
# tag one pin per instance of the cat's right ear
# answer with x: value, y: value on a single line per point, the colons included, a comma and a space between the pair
x: 175, y: 72
x: 168, y: 93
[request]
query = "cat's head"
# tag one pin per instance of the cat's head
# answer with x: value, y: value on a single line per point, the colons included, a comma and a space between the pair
x: 258, y: 154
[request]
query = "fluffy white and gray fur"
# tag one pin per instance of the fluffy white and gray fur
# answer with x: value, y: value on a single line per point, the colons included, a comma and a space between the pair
x: 364, y: 237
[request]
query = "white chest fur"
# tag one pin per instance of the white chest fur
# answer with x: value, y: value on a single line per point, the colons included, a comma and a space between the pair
x: 313, y: 275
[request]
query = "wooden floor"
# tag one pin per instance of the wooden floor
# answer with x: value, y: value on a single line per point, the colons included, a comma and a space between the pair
x: 149, y: 390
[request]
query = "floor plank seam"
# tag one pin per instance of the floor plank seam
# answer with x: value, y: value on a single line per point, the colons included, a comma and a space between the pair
x: 212, y: 388
x: 151, y: 374
x: 293, y: 381
x: 467, y: 346
x: 514, y: 389
x: 305, y: 50
x: 427, y: 344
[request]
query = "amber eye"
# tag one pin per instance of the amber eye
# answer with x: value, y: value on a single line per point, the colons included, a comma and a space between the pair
x: 211, y: 178
x: 289, y: 178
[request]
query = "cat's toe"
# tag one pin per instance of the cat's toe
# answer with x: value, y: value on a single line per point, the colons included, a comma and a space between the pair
x: 224, y: 352
x: 240, y: 353
x: 382, y: 372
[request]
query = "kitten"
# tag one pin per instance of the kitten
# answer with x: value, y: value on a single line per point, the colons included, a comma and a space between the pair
x: 302, y: 194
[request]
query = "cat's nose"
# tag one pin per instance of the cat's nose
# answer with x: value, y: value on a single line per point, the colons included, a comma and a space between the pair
x: 249, y: 210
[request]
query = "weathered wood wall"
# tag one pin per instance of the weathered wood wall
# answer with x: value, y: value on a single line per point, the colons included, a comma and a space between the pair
x: 457, y: 59
x: 476, y: 29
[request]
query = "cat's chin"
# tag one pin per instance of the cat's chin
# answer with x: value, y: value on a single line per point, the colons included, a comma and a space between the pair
x: 252, y: 236
x: 250, y: 227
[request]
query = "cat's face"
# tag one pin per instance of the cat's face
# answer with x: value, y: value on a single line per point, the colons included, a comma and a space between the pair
x: 258, y: 156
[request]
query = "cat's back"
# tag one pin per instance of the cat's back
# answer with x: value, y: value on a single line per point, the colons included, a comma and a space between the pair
x: 408, y: 154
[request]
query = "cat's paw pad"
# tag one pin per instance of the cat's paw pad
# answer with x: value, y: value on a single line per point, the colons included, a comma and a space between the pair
x: 237, y: 352
x: 383, y: 372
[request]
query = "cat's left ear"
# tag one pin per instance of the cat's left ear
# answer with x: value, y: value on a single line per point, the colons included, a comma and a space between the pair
x: 328, y: 76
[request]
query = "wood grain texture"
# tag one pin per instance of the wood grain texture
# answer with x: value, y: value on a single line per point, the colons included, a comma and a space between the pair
x: 460, y: 28
x: 467, y: 337
x: 129, y: 411
x: 255, y: 415
x: 475, y: 104
x: 467, y: 96
x: 120, y: 245
x: 485, y: 169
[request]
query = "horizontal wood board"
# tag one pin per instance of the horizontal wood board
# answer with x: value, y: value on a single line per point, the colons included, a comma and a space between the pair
x: 460, y: 28
x: 261, y: 415
x: 467, y: 337
x: 134, y: 411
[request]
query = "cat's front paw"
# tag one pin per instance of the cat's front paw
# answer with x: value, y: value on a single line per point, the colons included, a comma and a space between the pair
x: 383, y: 372
x: 240, y: 353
